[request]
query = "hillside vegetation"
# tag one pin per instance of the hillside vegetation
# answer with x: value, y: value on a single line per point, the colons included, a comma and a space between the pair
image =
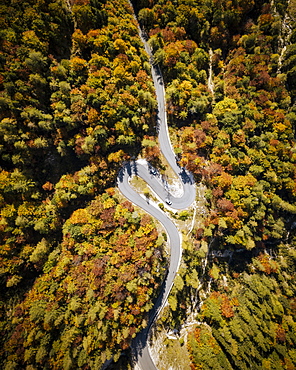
x: 79, y: 265
x: 230, y: 84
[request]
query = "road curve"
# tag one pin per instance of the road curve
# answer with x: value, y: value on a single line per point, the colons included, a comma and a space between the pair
x: 150, y: 175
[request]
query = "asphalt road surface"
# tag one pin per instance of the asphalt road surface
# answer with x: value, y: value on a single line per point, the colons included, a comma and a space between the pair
x: 149, y: 174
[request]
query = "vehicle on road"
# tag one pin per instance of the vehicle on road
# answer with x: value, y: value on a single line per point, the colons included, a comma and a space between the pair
x: 154, y: 171
x: 168, y: 202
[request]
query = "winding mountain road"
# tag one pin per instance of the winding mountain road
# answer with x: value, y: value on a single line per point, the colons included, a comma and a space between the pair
x: 150, y: 175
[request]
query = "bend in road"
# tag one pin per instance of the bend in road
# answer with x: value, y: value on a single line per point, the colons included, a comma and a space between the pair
x: 140, y: 346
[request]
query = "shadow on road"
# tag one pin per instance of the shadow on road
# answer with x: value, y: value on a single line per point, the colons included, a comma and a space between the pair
x: 141, y: 340
x: 120, y: 175
x: 186, y: 177
x: 134, y: 168
x: 131, y: 169
x: 157, y: 126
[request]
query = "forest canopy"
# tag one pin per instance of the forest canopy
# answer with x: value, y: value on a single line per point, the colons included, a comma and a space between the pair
x: 80, y: 265
x: 228, y: 69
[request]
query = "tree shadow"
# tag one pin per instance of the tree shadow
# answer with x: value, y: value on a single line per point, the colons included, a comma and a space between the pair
x: 131, y: 168
x: 186, y: 177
